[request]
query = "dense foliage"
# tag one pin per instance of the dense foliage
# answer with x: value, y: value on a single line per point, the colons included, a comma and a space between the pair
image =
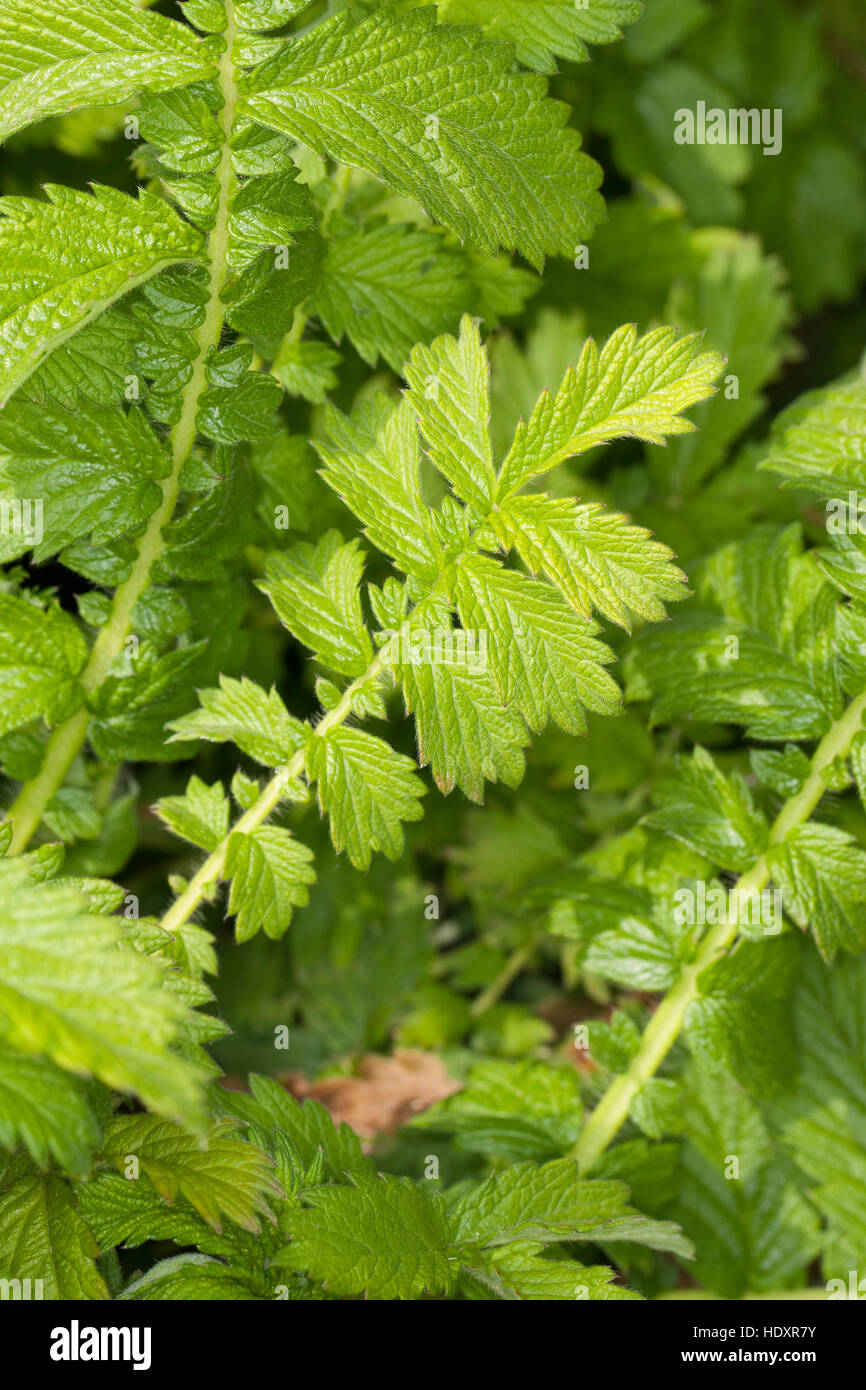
x: 432, y: 634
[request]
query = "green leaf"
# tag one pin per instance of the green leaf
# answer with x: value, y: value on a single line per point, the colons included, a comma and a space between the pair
x: 541, y: 28
x: 267, y: 212
x: 712, y: 813
x: 387, y: 288
x: 46, y: 1110
x: 132, y: 710
x: 450, y: 393
x: 382, y: 1237
x: 633, y: 387
x: 71, y: 814
x: 442, y: 116
x: 201, y: 815
x: 68, y: 992
x: 822, y: 874
x: 752, y: 1228
x: 268, y: 14
x: 743, y: 1020
x: 511, y: 1111
x: 120, y: 1211
x: 738, y: 300
x: 616, y: 922
x: 262, y: 300
x: 233, y: 414
x: 189, y: 1277
x: 770, y: 654
x: 315, y: 591
x: 42, y: 1237
x: 817, y: 443
x: 53, y: 59
x: 71, y: 255
x: 465, y: 732
x: 41, y: 654
x: 307, y: 369
x: 517, y: 1271
x: 823, y: 1117
x: 553, y: 1204
x: 95, y: 470
x: 92, y: 366
x: 228, y: 1178
x: 373, y: 464
x: 270, y: 871
x: 242, y: 712
x: 784, y: 771
x: 596, y: 558
x: 184, y: 127
x: 366, y: 789
x: 306, y: 1123
x: 542, y: 656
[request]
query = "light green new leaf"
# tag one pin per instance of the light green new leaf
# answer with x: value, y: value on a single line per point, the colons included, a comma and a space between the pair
x: 46, y: 1110
x: 241, y: 712
x: 383, y: 1237
x: 596, y: 558
x: 41, y: 654
x: 270, y: 872
x: 542, y: 656
x: 442, y: 116
x: 68, y: 257
x: 367, y: 789
x: 450, y: 393
x: 518, y: 1271
x: 373, y: 464
x: 200, y: 815
x: 387, y: 288
x: 539, y: 29
x: 54, y: 58
x: 315, y: 591
x: 67, y: 991
x: 631, y: 387
x: 465, y: 733
x: 42, y: 1237
x: 822, y: 874
x: 229, y: 1177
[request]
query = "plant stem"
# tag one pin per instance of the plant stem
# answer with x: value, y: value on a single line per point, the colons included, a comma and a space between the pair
x: 667, y: 1022
x: 68, y: 738
x: 506, y: 977
x: 211, y: 870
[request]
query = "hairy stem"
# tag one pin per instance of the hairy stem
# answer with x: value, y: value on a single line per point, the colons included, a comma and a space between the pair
x: 668, y: 1020
x: 68, y: 738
